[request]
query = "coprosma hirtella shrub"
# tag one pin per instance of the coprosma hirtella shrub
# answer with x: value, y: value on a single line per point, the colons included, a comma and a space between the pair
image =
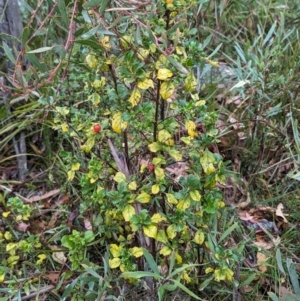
x: 148, y: 176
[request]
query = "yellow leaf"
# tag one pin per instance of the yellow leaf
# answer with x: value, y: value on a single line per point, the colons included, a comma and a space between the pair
x: 159, y: 172
x: 105, y: 43
x: 178, y: 258
x: 165, y: 251
x: 175, y: 154
x: 185, y: 276
x: 65, y: 127
x: 223, y: 274
x: 221, y: 204
x: 62, y: 110
x: 199, y: 237
x: 195, y: 195
x: 120, y: 177
x: 142, y: 54
x: 135, y: 97
x: 214, y: 64
x: 115, y: 250
x: 75, y: 166
x: 218, y: 275
x: 200, y: 103
x: 171, y: 231
x: 162, y: 62
x: 191, y: 128
x: 150, y: 231
x: 128, y: 212
x: 71, y: 175
x: 11, y: 248
x: 154, y: 147
x: 132, y: 185
x: 171, y: 199
x: 94, y: 98
x: 161, y: 236
x: 145, y: 84
x: 157, y: 218
x: 190, y: 82
x: 165, y: 137
x: 91, y: 61
x: 143, y: 198
x: 13, y: 260
x: 41, y: 257
x: 121, y: 238
x: 166, y: 90
x: 6, y: 214
x: 209, y: 270
x: 155, y: 189
x: 156, y: 161
x: 187, y: 140
x: 183, y: 204
x: 228, y: 274
x: 207, y: 162
x: 2, y: 276
x: 117, y: 123
x: 136, y: 252
x: 114, y: 263
x: 89, y: 144
x: 164, y: 73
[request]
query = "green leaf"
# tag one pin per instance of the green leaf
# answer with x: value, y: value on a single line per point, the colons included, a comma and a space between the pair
x: 42, y: 49
x: 161, y: 236
x: 89, y: 236
x: 92, y: 3
x: 152, y: 264
x: 8, y: 52
x: 228, y: 231
x: 141, y: 274
x: 91, y: 43
x: 63, y: 13
x: 175, y: 154
x: 184, y: 288
x: 279, y: 261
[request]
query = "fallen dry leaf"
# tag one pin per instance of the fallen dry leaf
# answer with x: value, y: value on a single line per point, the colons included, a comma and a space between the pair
x: 58, y: 256
x: 22, y: 227
x: 280, y: 213
x: 47, y: 195
x: 261, y: 260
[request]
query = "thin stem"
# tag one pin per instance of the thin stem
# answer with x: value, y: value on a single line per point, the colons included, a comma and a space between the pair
x: 156, y: 112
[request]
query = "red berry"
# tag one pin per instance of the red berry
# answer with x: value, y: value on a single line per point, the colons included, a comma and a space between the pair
x: 150, y: 166
x: 97, y: 128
